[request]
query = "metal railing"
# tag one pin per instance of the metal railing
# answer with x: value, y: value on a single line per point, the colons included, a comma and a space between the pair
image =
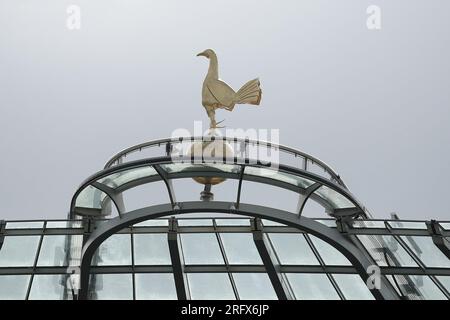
x: 302, y: 160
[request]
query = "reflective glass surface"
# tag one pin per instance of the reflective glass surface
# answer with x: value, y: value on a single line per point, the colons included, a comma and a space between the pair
x: 278, y: 175
x: 427, y: 288
x: 153, y: 223
x: 195, y: 222
x: 90, y: 197
x: 63, y: 224
x: 151, y: 249
x: 292, y: 248
x: 240, y: 248
x: 25, y: 225
x: 445, y: 280
x: 312, y: 286
x: 18, y: 251
x: 49, y: 287
x: 189, y: 167
x: 427, y: 252
x: 210, y: 286
x: 407, y: 225
x: 120, y: 178
x: 116, y: 250
x: 155, y: 286
x: 13, y: 287
x: 254, y: 286
x: 201, y: 248
x: 329, y: 254
x: 54, y: 248
x: 353, y: 287
x: 232, y: 222
x: 335, y: 199
x: 112, y: 287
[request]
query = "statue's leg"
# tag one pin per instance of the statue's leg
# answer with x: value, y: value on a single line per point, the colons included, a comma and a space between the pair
x: 212, y: 116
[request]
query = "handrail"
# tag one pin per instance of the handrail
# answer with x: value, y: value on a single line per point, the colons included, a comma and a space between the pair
x: 117, y: 159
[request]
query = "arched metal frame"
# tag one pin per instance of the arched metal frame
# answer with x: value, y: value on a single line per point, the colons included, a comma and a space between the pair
x: 330, y: 235
x: 306, y: 193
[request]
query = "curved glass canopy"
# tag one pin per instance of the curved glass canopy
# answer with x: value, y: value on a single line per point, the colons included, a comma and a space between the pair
x: 108, y: 185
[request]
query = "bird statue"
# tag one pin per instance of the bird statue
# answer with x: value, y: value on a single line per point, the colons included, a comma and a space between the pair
x: 216, y: 94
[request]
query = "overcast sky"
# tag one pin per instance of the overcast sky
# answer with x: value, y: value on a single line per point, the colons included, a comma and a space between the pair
x: 374, y: 104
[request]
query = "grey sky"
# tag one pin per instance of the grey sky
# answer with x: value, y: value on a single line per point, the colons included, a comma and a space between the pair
x: 375, y: 105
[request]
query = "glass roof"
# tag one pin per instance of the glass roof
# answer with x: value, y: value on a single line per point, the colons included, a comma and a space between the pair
x: 120, y: 178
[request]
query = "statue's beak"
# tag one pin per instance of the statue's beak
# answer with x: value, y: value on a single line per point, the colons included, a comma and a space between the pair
x: 201, y: 54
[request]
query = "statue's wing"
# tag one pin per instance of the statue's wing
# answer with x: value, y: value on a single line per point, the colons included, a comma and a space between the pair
x: 222, y: 92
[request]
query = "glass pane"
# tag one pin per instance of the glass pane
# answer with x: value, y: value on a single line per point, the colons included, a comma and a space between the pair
x: 155, y: 286
x: 329, y: 254
x: 116, y: 250
x: 426, y: 288
x: 63, y: 224
x: 120, y: 178
x: 201, y: 248
x: 194, y: 222
x: 188, y: 167
x: 25, y: 225
x: 210, y: 286
x: 112, y: 287
x: 445, y: 225
x: 445, y: 280
x: 353, y: 287
x: 368, y: 224
x: 233, y: 222
x: 292, y: 248
x: 386, y: 251
x: 312, y: 286
x: 407, y: 225
x: 153, y: 223
x: 270, y: 223
x: 90, y: 197
x: 254, y: 286
x: 329, y: 223
x: 14, y: 287
x: 335, y: 199
x: 19, y: 251
x: 53, y: 250
x: 151, y: 249
x: 49, y: 287
x: 240, y: 248
x: 278, y: 175
x: 427, y: 251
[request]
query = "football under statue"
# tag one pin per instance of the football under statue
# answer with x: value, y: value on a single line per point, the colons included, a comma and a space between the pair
x: 216, y: 94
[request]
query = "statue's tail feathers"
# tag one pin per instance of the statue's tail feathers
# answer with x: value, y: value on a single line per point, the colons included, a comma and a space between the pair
x: 250, y: 93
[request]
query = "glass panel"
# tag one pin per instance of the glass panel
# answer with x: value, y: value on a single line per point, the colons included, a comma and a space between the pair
x: 254, y: 286
x: 120, y: 178
x: 194, y: 222
x: 407, y: 225
x: 19, y: 251
x: 116, y: 250
x: 329, y: 223
x: 312, y: 286
x: 201, y: 248
x: 292, y: 248
x: 427, y: 251
x: 270, y: 223
x: 63, y: 224
x: 233, y: 222
x: 25, y: 225
x: 368, y: 224
x: 445, y: 225
x: 240, y: 248
x: 53, y: 250
x: 153, y: 223
x: 445, y: 280
x: 90, y: 197
x: 49, y: 287
x: 353, y: 287
x: 14, y: 287
x: 329, y: 254
x: 335, y: 199
x: 210, y: 167
x: 426, y: 288
x: 278, y: 175
x: 112, y: 287
x: 155, y: 286
x: 151, y: 249
x: 210, y: 286
x: 386, y: 251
